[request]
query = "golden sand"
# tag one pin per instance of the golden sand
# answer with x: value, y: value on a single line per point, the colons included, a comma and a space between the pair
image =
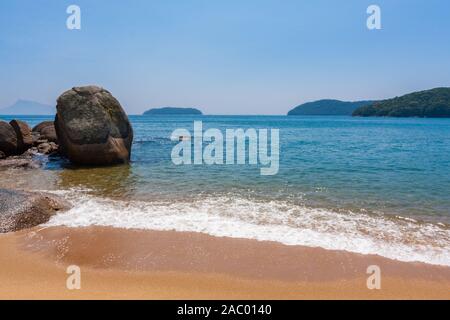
x: 134, y: 264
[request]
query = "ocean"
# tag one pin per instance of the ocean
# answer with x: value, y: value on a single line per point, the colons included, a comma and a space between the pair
x: 365, y: 185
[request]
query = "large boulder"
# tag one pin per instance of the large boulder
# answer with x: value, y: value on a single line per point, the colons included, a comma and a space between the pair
x: 20, y: 210
x: 23, y: 133
x: 8, y: 139
x: 92, y: 127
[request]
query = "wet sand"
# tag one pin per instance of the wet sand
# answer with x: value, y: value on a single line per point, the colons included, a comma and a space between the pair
x: 136, y: 264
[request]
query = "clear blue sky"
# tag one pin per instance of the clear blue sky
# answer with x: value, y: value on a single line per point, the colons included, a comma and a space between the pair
x: 223, y: 56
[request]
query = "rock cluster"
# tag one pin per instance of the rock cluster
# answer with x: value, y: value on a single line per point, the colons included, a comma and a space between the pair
x: 90, y: 128
x: 17, y: 139
x: 18, y: 142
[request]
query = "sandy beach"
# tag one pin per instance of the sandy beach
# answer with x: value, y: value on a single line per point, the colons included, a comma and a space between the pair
x: 135, y: 264
x: 224, y: 150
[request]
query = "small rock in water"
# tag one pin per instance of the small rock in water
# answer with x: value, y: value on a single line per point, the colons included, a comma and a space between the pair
x: 47, y: 147
x: 44, y: 148
x: 54, y: 146
x: 31, y: 152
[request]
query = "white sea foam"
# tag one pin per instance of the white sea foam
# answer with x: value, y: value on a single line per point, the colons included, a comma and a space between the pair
x: 400, y: 239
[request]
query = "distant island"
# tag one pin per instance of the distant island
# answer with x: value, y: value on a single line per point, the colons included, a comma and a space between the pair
x: 28, y: 108
x: 327, y: 107
x: 434, y: 103
x: 172, y: 111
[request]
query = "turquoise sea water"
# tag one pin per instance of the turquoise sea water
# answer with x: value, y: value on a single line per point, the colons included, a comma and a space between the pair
x: 369, y: 185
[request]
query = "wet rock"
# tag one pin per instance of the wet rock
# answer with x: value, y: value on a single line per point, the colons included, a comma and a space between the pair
x: 54, y: 146
x: 45, y: 131
x: 49, y: 133
x: 36, y: 137
x: 25, y: 161
x: 44, y: 148
x: 8, y: 139
x: 42, y: 126
x: 47, y: 148
x: 23, y: 133
x: 31, y: 152
x: 21, y: 210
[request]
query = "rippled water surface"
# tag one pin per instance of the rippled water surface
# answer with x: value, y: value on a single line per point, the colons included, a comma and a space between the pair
x: 364, y: 185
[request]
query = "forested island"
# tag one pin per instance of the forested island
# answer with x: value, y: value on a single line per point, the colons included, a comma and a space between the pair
x: 434, y: 103
x: 327, y: 107
x: 172, y: 111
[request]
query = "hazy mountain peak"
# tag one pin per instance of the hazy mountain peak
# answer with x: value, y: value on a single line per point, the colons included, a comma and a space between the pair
x: 28, y: 107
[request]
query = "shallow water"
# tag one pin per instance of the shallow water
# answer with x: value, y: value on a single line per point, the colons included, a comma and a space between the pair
x: 362, y: 185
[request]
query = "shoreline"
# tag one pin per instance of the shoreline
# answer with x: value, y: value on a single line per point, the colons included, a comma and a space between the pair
x: 138, y: 264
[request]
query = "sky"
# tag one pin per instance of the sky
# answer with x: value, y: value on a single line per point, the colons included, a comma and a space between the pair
x: 223, y: 56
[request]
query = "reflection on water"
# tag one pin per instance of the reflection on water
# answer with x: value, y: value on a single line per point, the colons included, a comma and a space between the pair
x: 380, y: 166
x: 365, y: 185
x: 116, y: 181
x: 28, y: 179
